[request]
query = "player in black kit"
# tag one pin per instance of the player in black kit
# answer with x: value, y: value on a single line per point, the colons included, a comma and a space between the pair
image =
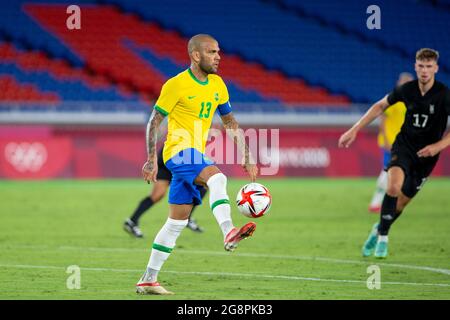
x: 416, y: 149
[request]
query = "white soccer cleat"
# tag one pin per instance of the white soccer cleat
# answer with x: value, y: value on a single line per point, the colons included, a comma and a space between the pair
x: 132, y: 228
x: 151, y: 288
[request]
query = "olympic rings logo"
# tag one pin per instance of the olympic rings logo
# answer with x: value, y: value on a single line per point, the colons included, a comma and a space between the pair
x: 25, y: 156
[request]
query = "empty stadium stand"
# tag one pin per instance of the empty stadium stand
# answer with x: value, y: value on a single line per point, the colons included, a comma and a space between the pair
x: 406, y: 24
x: 277, y: 55
x: 300, y: 47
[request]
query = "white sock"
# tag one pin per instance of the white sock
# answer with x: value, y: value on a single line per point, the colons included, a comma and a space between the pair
x: 382, y: 180
x: 374, y: 231
x: 163, y: 246
x: 219, y: 202
x: 382, y: 238
x: 378, y: 196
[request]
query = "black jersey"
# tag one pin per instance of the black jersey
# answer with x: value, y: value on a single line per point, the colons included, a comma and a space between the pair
x: 426, y: 116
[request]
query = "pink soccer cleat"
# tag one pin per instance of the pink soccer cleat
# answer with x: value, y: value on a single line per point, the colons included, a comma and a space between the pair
x: 375, y: 209
x: 236, y: 235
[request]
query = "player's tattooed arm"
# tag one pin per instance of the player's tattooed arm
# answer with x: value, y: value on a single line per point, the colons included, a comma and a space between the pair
x: 152, y: 132
x: 150, y: 168
x: 232, y: 128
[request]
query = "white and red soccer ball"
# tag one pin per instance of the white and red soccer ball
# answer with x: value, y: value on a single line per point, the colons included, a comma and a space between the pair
x: 254, y: 200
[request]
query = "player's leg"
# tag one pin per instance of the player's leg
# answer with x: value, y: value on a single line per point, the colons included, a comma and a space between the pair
x: 388, y: 214
x: 192, y: 223
x: 396, y: 178
x: 377, y: 239
x: 162, y: 247
x: 218, y: 197
x: 378, y: 195
x: 371, y: 241
x: 181, y: 199
x: 377, y: 198
x: 159, y: 190
x: 411, y: 187
x: 402, y: 202
x: 220, y: 206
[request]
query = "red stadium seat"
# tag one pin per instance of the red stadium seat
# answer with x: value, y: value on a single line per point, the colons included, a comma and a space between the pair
x: 100, y: 44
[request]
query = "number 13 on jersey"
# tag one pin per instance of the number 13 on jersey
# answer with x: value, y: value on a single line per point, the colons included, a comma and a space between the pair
x: 205, y: 113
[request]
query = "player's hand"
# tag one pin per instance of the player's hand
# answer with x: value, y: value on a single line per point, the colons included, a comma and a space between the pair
x: 252, y: 170
x: 429, y: 151
x: 149, y: 170
x: 347, y: 138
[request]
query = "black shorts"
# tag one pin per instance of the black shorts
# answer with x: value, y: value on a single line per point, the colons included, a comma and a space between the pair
x: 416, y: 169
x: 163, y: 172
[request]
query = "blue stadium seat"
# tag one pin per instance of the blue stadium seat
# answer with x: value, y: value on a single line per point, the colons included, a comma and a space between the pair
x: 282, y: 40
x: 168, y: 68
x: 22, y: 28
x: 406, y: 25
x: 68, y: 90
x: 325, y: 43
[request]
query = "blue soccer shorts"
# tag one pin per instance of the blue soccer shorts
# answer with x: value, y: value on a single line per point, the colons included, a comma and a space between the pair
x: 185, y: 167
x: 386, y: 158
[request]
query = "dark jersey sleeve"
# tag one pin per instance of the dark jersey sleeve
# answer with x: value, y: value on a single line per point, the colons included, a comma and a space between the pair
x: 396, y: 95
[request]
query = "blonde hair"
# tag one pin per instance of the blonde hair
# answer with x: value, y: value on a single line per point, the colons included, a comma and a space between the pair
x: 427, y: 54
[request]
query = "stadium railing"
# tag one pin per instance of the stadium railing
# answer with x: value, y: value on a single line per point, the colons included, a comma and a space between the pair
x: 137, y: 113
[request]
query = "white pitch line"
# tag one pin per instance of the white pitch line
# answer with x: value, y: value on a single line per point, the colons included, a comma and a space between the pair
x: 284, y: 257
x: 254, y: 255
x: 227, y: 274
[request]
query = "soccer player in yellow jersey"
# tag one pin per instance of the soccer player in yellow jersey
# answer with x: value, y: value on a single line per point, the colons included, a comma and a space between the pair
x: 189, y: 100
x: 390, y: 125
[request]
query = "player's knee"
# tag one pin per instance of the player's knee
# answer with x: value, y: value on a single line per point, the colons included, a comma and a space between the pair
x: 394, y: 189
x: 217, y: 181
x: 173, y: 225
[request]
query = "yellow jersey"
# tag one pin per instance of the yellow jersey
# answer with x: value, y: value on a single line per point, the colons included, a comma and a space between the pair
x: 395, y: 116
x: 189, y: 105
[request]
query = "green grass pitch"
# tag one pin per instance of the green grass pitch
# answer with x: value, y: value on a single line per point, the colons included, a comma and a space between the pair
x: 307, y: 247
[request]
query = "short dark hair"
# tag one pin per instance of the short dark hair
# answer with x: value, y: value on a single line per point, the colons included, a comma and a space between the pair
x: 427, y: 54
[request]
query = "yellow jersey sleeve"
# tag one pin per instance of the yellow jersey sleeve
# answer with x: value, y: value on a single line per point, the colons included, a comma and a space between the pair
x: 395, y: 116
x: 224, y: 96
x: 168, y: 98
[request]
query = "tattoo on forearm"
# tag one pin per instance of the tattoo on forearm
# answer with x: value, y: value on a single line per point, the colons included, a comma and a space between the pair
x: 151, y: 134
x: 232, y: 128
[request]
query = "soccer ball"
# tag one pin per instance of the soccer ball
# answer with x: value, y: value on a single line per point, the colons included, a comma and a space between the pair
x: 254, y: 200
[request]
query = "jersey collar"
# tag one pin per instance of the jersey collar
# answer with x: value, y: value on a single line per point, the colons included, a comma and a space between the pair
x: 203, y: 83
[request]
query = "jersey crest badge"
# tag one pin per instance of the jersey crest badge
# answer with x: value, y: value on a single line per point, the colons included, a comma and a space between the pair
x: 431, y: 108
